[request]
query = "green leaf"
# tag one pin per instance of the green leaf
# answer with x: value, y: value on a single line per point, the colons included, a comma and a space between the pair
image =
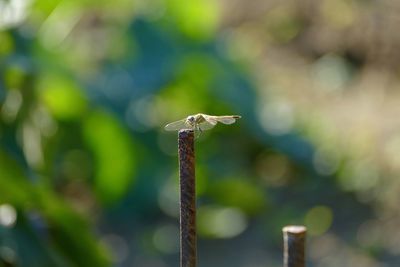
x: 69, y: 240
x: 196, y: 18
x: 239, y: 193
x: 63, y: 98
x: 113, y: 151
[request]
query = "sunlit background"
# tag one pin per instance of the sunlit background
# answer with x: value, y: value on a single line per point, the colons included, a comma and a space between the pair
x: 88, y: 176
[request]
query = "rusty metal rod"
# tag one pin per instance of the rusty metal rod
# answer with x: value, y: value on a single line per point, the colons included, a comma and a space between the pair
x: 294, y: 241
x: 188, y: 248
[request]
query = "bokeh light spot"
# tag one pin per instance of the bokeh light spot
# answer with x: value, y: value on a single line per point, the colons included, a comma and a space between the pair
x: 168, y: 198
x: 276, y: 117
x: 331, y: 73
x: 11, y: 105
x: 118, y: 247
x: 13, y: 12
x: 8, y: 255
x: 8, y: 215
x: 197, y: 18
x: 220, y: 222
x: 318, y: 220
x: 239, y: 193
x: 166, y: 239
x: 62, y: 97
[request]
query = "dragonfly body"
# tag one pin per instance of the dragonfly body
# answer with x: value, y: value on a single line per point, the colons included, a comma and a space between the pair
x: 200, y: 122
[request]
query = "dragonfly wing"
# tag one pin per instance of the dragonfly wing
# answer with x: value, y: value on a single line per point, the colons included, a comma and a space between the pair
x: 208, y: 122
x: 176, y: 125
x: 225, y: 119
x: 210, y: 119
x: 206, y: 125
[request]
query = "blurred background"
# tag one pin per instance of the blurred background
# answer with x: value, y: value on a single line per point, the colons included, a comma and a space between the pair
x: 88, y: 176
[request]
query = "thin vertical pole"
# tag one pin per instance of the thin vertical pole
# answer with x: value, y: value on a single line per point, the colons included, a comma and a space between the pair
x: 294, y: 242
x: 187, y: 198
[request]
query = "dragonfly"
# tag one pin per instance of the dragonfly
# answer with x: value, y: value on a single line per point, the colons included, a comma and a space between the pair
x: 200, y: 122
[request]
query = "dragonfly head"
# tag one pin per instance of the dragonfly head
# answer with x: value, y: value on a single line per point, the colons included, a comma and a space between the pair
x: 191, y: 120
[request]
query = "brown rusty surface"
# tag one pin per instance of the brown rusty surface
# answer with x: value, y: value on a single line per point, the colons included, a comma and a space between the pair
x: 294, y: 246
x: 187, y: 198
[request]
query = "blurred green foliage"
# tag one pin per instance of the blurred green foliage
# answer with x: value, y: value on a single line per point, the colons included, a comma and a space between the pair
x: 88, y: 177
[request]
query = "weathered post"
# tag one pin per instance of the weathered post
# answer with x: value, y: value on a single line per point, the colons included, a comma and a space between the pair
x: 188, y: 248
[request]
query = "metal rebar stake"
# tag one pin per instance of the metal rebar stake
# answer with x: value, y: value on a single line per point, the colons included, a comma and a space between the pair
x: 294, y: 241
x: 187, y: 198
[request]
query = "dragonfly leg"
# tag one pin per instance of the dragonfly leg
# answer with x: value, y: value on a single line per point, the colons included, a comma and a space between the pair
x: 199, y: 131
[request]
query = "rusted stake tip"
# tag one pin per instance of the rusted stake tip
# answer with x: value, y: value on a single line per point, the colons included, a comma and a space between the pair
x: 294, y: 229
x: 187, y: 131
x: 185, y: 136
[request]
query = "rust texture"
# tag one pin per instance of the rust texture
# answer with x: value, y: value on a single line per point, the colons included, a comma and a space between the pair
x: 294, y: 243
x: 187, y: 198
